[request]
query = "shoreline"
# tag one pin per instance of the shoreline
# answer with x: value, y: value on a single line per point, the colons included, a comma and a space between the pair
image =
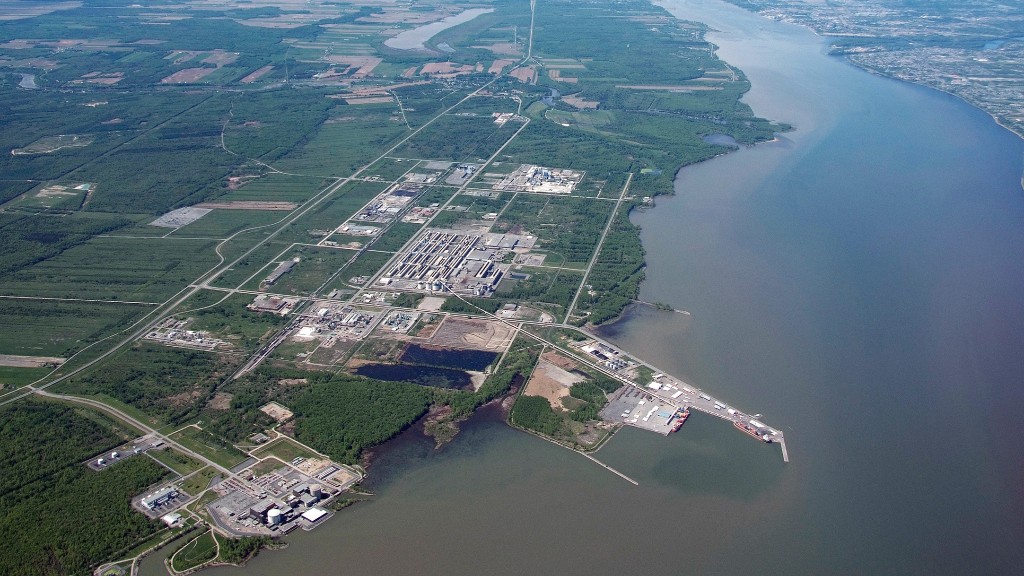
x: 876, y: 72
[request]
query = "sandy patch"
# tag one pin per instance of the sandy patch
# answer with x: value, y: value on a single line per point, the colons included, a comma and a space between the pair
x: 447, y: 69
x: 16, y: 361
x: 370, y: 100
x: 430, y: 304
x: 220, y: 401
x: 504, y: 48
x: 581, y: 103
x: 220, y: 58
x: 498, y: 65
x: 249, y: 205
x: 364, y: 65
x: 477, y: 334
x: 187, y: 75
x: 276, y: 411
x: 256, y: 74
x: 551, y: 382
x: 557, y: 359
x: 527, y: 74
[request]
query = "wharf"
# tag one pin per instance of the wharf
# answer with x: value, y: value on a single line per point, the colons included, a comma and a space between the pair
x: 657, y: 405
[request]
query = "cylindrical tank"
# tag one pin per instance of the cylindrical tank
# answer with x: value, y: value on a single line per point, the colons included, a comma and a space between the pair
x: 114, y: 454
x: 274, y: 517
x: 316, y: 490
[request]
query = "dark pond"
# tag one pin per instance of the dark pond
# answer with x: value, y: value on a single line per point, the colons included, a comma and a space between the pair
x: 422, y: 375
x: 476, y: 360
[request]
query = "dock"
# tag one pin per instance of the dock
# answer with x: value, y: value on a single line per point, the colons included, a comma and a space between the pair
x: 658, y: 405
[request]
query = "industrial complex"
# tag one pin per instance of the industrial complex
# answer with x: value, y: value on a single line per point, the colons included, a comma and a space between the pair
x: 454, y: 261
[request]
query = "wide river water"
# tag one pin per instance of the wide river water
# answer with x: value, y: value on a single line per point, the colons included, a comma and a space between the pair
x: 860, y: 283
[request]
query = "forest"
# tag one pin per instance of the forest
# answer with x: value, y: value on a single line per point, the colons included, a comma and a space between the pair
x: 44, y: 484
x: 343, y: 415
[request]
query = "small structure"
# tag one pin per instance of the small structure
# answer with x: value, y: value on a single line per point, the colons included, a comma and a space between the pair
x: 171, y: 519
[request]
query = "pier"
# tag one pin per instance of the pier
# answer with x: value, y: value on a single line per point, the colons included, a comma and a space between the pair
x: 659, y: 404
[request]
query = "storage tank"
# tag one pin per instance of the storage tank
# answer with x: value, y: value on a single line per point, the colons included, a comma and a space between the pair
x: 101, y: 462
x: 274, y: 517
x: 316, y: 490
x: 114, y: 454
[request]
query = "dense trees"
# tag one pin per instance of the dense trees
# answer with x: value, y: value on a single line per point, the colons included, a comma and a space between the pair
x: 346, y: 414
x: 59, y: 516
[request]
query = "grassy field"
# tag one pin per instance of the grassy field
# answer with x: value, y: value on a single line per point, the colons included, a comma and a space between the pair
x: 315, y: 266
x: 367, y: 264
x: 198, y: 551
x: 332, y: 212
x: 147, y: 270
x: 223, y: 223
x: 199, y: 481
x: 458, y: 139
x: 284, y: 449
x: 180, y: 463
x: 48, y: 328
x: 17, y: 377
x: 232, y: 321
x: 345, y: 142
x: 167, y: 384
x: 567, y: 228
x: 210, y: 446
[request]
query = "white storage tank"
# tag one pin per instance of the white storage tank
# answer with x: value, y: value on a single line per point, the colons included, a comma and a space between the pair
x: 316, y: 490
x: 274, y: 517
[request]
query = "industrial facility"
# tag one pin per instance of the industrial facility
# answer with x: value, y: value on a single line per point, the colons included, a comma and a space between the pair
x: 540, y: 180
x: 443, y: 260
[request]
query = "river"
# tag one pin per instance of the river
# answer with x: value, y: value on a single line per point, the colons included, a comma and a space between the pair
x: 415, y: 39
x: 860, y: 282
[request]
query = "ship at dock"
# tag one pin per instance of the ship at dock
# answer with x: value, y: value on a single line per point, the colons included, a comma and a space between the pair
x: 755, y: 429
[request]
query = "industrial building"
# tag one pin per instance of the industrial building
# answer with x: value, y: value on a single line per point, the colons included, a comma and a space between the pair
x: 282, y: 269
x: 159, y: 498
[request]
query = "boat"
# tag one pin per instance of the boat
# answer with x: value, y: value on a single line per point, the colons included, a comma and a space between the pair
x: 682, y: 420
x: 751, y: 431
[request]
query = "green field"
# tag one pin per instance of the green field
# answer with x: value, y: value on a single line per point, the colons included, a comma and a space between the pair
x: 49, y: 328
x: 284, y: 449
x: 199, y: 481
x: 146, y: 270
x: 231, y: 320
x: 210, y: 446
x: 168, y: 384
x: 175, y: 460
x: 316, y: 265
x: 195, y: 552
